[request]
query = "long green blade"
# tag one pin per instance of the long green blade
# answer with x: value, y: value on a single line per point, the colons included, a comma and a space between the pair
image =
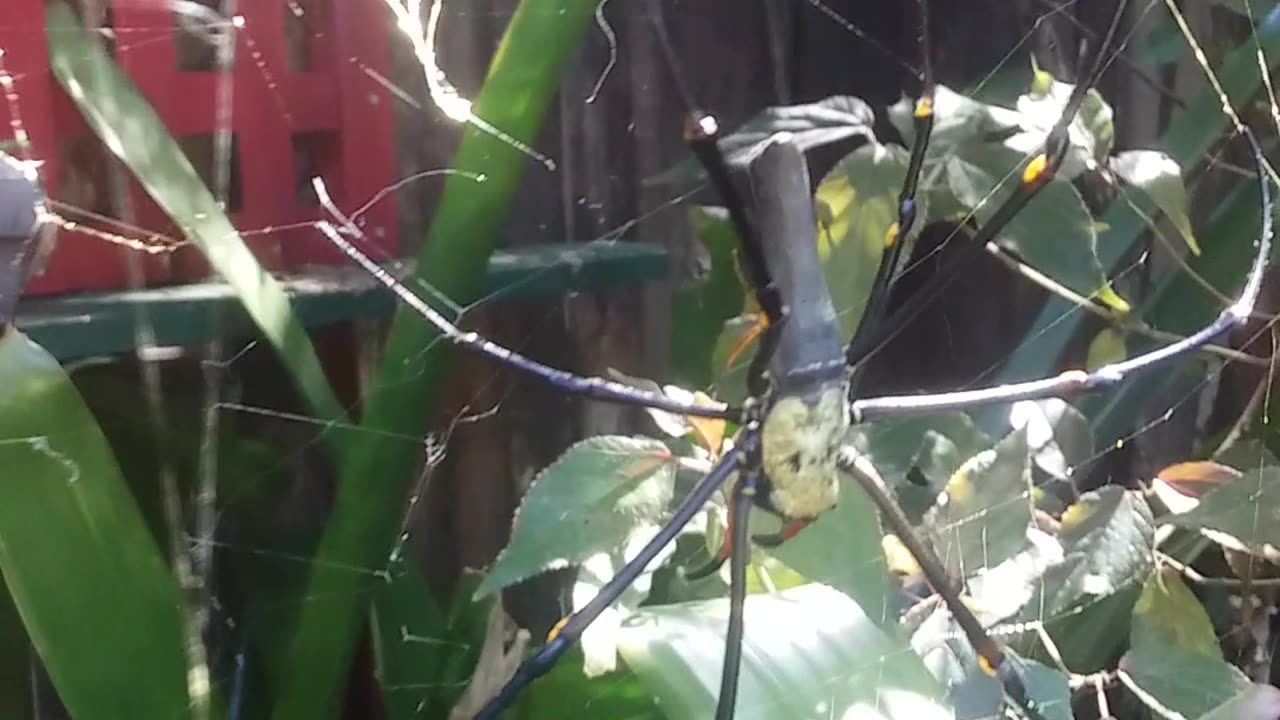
x: 86, y: 575
x: 542, y: 36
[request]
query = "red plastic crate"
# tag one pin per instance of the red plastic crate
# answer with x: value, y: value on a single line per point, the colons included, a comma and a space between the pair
x: 306, y: 101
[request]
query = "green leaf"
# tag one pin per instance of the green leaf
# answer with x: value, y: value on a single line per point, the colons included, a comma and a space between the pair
x: 1257, y: 702
x: 1054, y: 233
x: 1156, y: 176
x: 936, y: 445
x: 811, y: 125
x: 907, y: 450
x: 1086, y: 597
x: 590, y: 500
x: 1174, y: 655
x: 981, y: 518
x: 541, y: 38
x: 958, y: 121
x: 1246, y: 508
x: 129, y: 126
x: 1111, y: 531
x: 1091, y: 133
x: 808, y: 652
x: 1107, y: 347
x: 85, y: 573
x: 731, y: 358
x: 857, y: 204
x: 842, y: 549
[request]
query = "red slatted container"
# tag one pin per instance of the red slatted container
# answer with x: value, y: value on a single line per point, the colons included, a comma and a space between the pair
x: 306, y: 99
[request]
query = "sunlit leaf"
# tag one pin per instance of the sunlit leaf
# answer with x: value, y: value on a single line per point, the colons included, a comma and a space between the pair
x: 1158, y: 177
x: 809, y: 652
x: 1058, y: 436
x: 1091, y: 133
x: 811, y: 125
x: 599, y: 642
x: 958, y: 120
x: 588, y: 501
x: 981, y: 518
x: 1107, y: 347
x: 858, y: 202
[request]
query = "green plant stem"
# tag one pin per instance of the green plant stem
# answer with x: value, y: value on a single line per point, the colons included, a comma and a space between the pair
x: 541, y: 38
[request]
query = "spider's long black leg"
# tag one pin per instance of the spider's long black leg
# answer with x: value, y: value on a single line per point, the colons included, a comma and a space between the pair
x: 743, y: 497
x: 590, y: 387
x: 896, y: 239
x: 572, y: 628
x: 702, y: 133
x: 1035, y: 174
x: 990, y: 653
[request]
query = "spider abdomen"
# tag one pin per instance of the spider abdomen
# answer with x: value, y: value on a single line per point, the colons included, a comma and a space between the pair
x: 801, y: 435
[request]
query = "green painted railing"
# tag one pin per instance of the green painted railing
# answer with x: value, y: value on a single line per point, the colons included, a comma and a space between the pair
x: 83, y: 325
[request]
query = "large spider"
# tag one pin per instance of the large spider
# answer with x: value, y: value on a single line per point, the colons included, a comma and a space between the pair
x: 792, y: 441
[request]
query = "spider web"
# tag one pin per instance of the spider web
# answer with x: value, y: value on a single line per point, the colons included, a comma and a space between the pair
x: 239, y: 422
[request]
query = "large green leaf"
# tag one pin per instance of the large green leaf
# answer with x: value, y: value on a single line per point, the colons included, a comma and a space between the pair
x: 1054, y: 233
x: 130, y: 128
x: 842, y: 549
x: 85, y: 573
x: 1174, y: 656
x: 808, y: 652
x: 591, y: 499
x: 522, y: 80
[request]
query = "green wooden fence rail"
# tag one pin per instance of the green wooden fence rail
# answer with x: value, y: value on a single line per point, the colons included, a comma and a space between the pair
x: 84, y: 325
